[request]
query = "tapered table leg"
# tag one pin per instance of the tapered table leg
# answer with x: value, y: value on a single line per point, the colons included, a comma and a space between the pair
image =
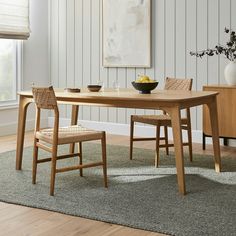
x: 212, y: 106
x: 23, y: 105
x: 74, y: 120
x: 174, y: 112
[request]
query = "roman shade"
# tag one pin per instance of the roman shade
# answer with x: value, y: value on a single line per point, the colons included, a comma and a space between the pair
x: 14, y: 19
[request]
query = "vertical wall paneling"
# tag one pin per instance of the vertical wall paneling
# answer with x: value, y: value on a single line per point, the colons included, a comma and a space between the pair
x: 202, y: 27
x: 54, y: 37
x: 78, y: 50
x: 191, y: 45
x: 70, y: 32
x: 150, y: 71
x: 159, y: 37
x: 62, y: 48
x: 70, y: 60
x: 86, y: 33
x: 213, y: 17
x: 95, y: 51
x: 224, y: 22
x: 180, y: 56
x: 180, y: 40
x: 170, y: 37
x: 159, y: 40
x: 233, y: 15
x: 178, y: 27
x: 103, y: 71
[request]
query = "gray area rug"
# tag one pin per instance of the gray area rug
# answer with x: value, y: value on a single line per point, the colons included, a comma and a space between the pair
x: 139, y: 195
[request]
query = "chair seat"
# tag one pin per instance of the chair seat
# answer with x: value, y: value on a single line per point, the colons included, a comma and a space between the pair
x: 70, y: 134
x: 155, y: 119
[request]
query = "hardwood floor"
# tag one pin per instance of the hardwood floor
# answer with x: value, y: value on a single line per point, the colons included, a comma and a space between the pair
x: 18, y: 220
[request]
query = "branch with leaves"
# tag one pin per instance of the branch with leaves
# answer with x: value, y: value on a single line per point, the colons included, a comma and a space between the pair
x: 229, y: 50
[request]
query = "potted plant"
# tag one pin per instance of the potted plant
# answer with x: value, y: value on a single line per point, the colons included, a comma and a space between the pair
x: 229, y: 51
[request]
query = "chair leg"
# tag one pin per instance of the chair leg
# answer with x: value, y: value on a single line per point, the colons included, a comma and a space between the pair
x: 53, y: 170
x: 190, y: 143
x: 157, y: 145
x: 166, y: 139
x: 80, y: 157
x: 104, y: 159
x: 35, y: 162
x: 131, y: 139
x: 203, y: 141
x: 189, y: 130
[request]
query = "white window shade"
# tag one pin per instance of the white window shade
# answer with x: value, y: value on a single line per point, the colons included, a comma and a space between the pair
x: 14, y: 19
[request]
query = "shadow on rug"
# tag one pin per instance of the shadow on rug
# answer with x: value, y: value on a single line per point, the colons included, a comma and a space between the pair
x: 139, y: 195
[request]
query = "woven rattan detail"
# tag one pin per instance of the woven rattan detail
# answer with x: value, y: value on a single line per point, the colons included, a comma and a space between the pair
x: 44, y: 97
x: 69, y: 134
x: 155, y: 119
x: 178, y: 84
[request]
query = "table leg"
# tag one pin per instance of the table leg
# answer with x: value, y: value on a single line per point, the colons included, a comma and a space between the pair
x: 177, y: 136
x: 74, y: 119
x: 203, y: 141
x: 22, y: 112
x: 225, y: 140
x: 212, y: 106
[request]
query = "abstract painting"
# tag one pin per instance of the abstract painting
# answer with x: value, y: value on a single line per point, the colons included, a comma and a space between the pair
x: 126, y: 33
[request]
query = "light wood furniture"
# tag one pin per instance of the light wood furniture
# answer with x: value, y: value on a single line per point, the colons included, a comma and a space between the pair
x: 226, y: 113
x: 45, y: 98
x: 165, y: 121
x: 168, y: 100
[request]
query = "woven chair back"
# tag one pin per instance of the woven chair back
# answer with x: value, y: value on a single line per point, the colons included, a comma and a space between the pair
x: 178, y: 84
x: 44, y: 97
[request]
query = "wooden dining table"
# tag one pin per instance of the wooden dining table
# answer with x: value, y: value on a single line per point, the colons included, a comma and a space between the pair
x: 171, y: 101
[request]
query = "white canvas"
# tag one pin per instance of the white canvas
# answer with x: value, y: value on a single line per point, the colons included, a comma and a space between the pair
x: 126, y: 33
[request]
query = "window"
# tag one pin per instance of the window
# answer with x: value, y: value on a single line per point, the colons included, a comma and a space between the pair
x: 14, y: 24
x: 9, y: 71
x: 14, y: 15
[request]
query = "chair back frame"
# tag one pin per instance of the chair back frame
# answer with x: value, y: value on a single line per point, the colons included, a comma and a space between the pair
x: 179, y: 84
x: 44, y: 98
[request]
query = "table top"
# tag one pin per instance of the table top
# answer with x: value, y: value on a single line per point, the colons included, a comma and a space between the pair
x: 131, y: 94
x: 130, y: 98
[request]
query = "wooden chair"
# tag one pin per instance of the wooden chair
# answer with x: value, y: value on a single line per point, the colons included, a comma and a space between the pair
x: 45, y: 99
x: 165, y: 121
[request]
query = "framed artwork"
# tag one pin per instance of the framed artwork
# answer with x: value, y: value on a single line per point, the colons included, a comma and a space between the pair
x: 126, y: 33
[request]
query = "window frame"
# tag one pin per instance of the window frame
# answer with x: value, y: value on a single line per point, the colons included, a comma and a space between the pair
x: 18, y: 76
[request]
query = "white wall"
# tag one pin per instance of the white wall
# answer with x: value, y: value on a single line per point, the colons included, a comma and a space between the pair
x: 178, y: 27
x: 35, y: 63
x: 75, y: 50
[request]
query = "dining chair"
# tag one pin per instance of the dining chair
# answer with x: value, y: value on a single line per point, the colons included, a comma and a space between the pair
x: 164, y: 120
x: 50, y: 139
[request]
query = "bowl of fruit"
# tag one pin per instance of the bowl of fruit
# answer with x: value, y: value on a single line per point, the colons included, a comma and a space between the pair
x: 144, y: 84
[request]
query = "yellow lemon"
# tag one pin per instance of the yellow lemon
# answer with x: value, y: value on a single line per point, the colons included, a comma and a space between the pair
x: 143, y: 79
